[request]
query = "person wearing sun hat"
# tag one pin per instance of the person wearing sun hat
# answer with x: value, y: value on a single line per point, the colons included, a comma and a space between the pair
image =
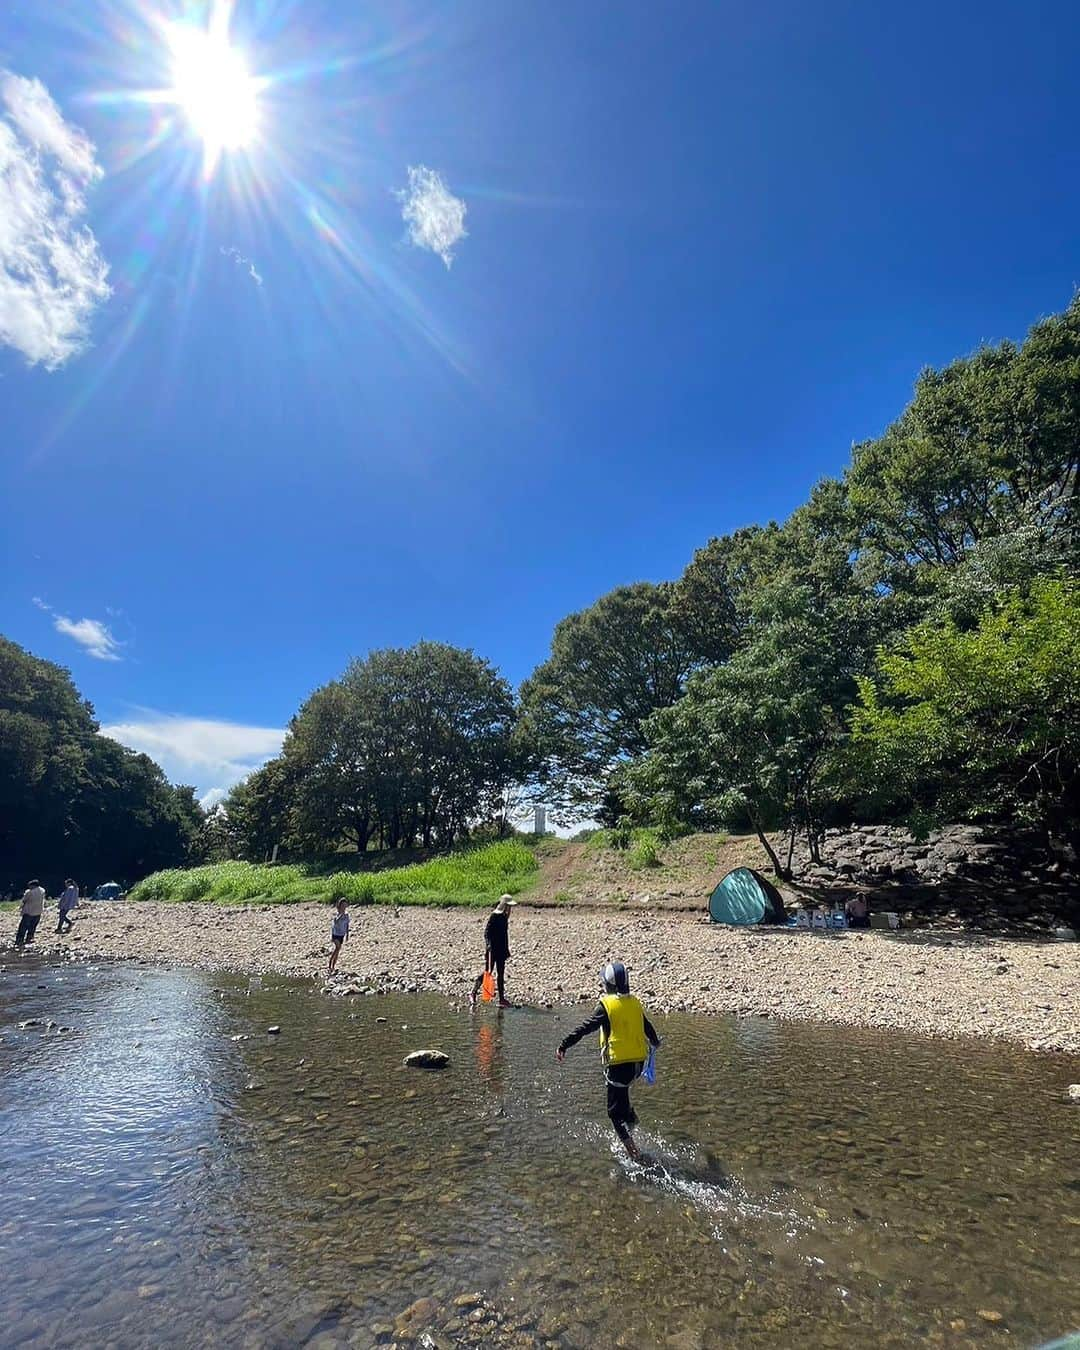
x: 496, y: 948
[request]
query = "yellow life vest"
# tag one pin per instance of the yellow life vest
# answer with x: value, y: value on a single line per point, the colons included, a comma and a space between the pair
x: 626, y: 1044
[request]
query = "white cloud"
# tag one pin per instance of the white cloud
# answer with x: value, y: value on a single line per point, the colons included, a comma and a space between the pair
x: 210, y: 799
x: 94, y: 637
x: 212, y: 755
x: 435, y: 217
x: 52, y: 274
x: 241, y: 261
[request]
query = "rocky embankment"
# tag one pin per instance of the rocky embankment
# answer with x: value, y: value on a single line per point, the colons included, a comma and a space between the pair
x: 959, y: 876
x: 1024, y: 992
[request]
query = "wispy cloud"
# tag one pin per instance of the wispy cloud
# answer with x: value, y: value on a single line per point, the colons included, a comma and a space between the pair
x: 94, y: 637
x: 52, y: 274
x: 212, y: 755
x: 435, y: 217
x: 241, y: 261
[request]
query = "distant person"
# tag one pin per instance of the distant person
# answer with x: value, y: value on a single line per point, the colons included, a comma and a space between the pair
x: 625, y: 1036
x: 858, y: 911
x: 496, y: 949
x: 30, y: 910
x: 339, y: 934
x: 69, y: 899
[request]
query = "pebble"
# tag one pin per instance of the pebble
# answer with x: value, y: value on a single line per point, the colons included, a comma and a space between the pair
x: 991, y: 1315
x: 1072, y: 1092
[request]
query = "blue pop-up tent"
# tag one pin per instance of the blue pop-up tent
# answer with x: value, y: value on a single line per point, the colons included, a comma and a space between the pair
x: 745, y: 897
x: 108, y: 890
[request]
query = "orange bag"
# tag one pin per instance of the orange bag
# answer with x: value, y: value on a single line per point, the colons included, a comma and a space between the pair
x: 487, y: 989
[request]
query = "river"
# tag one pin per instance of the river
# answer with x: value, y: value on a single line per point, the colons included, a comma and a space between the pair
x: 176, y: 1176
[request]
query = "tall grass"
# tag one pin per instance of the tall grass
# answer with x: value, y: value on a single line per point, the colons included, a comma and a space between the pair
x: 472, y: 877
x: 641, y: 844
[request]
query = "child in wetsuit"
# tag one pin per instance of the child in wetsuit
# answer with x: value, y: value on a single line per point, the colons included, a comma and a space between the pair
x: 625, y: 1036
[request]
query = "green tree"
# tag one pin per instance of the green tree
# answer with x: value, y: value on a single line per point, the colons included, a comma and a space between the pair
x: 986, y: 446
x: 260, y: 810
x: 981, y: 722
x: 754, y: 738
x: 712, y: 598
x: 611, y: 667
x: 72, y: 800
x: 411, y: 745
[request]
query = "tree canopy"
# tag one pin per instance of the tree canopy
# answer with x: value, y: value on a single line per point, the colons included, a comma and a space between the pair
x: 71, y: 800
x: 795, y: 697
x: 611, y: 666
x: 409, y: 746
x: 983, y: 721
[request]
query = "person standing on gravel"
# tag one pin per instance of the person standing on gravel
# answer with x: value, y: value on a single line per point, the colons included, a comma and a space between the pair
x: 30, y: 910
x: 496, y: 949
x: 339, y: 933
x: 68, y: 901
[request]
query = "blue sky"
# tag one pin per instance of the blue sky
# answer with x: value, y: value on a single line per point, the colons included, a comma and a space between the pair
x: 253, y: 423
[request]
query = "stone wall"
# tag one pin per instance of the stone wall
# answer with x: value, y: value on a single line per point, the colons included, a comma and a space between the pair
x: 966, y: 875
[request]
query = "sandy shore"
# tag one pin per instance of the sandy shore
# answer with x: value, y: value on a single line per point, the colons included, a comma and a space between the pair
x: 954, y: 987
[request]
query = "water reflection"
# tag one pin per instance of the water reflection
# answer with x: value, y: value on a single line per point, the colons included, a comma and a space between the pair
x: 188, y: 1178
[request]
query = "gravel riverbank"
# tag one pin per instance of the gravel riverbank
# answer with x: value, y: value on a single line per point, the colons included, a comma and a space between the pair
x: 954, y: 986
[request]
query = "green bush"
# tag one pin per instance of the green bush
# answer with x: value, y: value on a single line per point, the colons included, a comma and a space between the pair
x: 641, y: 844
x: 645, y: 850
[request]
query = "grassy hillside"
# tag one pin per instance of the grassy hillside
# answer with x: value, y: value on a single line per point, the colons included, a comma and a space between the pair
x: 646, y: 870
x: 665, y: 875
x: 473, y: 877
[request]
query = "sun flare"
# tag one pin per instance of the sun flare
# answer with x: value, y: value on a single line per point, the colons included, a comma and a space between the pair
x: 214, y: 88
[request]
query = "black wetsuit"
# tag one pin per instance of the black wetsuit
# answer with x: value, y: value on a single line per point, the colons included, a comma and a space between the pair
x: 617, y: 1076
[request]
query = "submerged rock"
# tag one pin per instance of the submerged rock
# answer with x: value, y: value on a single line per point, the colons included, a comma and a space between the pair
x: 1072, y: 1093
x: 416, y: 1316
x: 427, y: 1059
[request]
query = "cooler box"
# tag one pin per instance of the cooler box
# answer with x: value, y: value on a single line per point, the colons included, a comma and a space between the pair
x: 885, y: 920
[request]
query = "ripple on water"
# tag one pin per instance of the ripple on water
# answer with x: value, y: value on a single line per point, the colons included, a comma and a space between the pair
x: 814, y: 1187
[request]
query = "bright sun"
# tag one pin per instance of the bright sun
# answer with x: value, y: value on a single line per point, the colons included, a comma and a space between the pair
x: 213, y: 86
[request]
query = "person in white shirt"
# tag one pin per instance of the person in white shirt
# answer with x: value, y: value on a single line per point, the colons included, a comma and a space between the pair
x: 30, y: 908
x: 68, y: 900
x: 338, y: 933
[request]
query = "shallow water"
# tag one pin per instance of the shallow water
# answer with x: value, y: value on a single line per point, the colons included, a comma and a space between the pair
x: 168, y: 1184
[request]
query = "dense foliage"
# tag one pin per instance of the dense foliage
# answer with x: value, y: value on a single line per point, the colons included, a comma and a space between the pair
x: 898, y: 648
x: 408, y: 747
x: 583, y: 712
x: 73, y: 802
x: 979, y: 721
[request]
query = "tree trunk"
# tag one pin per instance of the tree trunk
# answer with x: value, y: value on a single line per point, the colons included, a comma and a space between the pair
x: 773, y: 859
x: 790, y: 848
